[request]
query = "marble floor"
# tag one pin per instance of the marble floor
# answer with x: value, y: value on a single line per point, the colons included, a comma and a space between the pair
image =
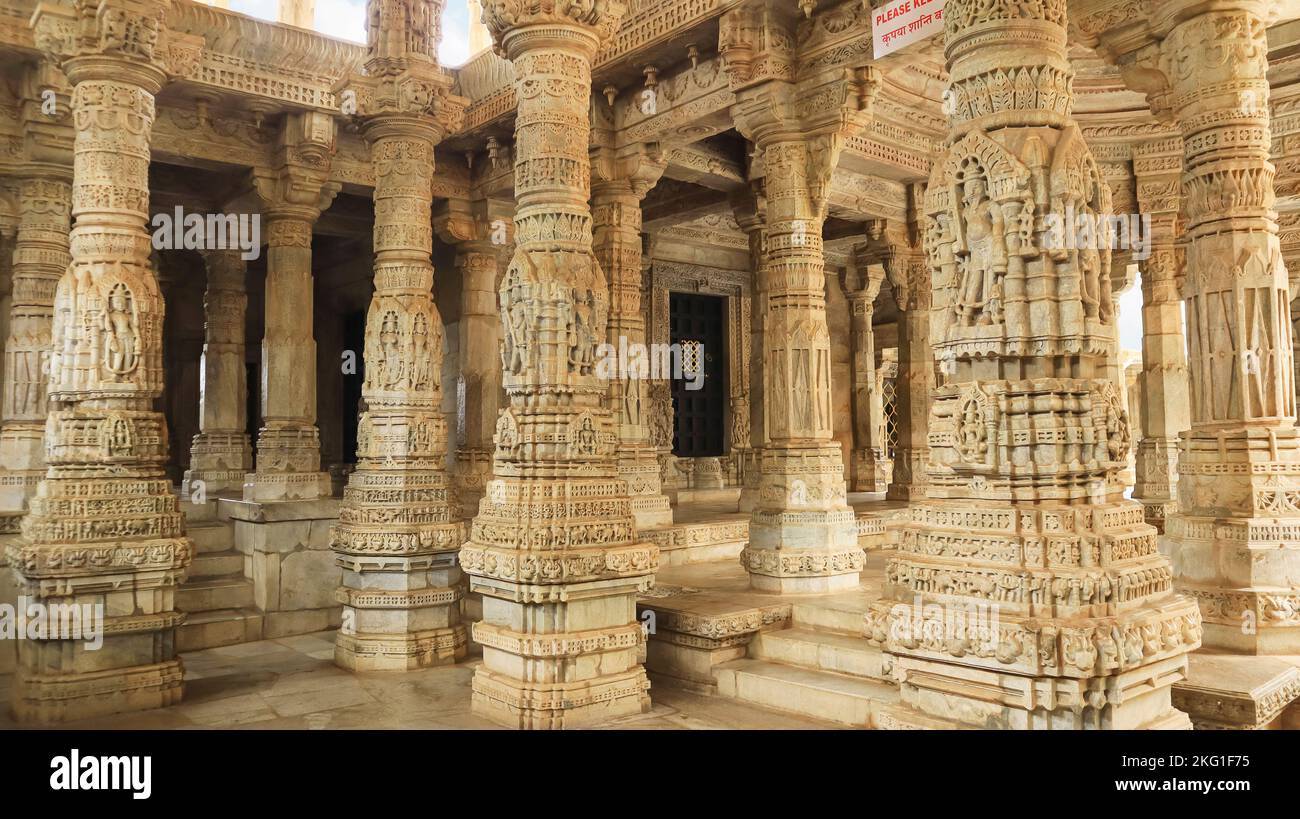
x: 293, y: 683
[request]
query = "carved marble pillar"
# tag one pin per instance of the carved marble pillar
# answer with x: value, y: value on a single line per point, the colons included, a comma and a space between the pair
x: 909, y: 275
x: 1235, y: 538
x: 1026, y: 591
x: 398, y: 534
x: 802, y: 535
x: 40, y: 258
x: 870, y: 460
x: 622, y: 180
x: 105, y: 531
x: 288, y: 464
x: 1166, y: 409
x: 479, y: 387
x: 220, y: 454
x: 553, y: 549
x: 749, y: 211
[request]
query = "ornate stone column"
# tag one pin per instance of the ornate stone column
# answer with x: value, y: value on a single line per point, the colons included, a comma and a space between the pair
x: 621, y: 180
x: 552, y: 549
x: 397, y: 533
x: 802, y: 536
x: 909, y: 275
x: 1235, y: 539
x: 479, y: 388
x: 105, y: 529
x: 220, y: 454
x: 293, y: 196
x: 40, y: 258
x: 861, y: 286
x: 749, y: 209
x: 1026, y: 592
x: 1166, y: 409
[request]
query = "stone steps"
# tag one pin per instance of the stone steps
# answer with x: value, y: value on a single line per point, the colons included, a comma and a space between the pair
x: 216, y: 536
x: 822, y: 695
x: 819, y: 651
x: 216, y: 564
x: 232, y: 591
x: 839, y: 616
x: 219, y: 627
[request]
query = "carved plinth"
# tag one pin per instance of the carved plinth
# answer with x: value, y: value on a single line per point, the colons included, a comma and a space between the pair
x: 288, y: 466
x: 1238, y: 499
x: 115, y: 543
x: 650, y: 507
x: 803, y: 535
x: 400, y: 613
x: 1156, y: 472
x: 1070, y: 610
x: 219, y: 462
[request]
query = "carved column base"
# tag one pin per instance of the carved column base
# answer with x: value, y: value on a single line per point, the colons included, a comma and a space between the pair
x: 1234, y: 540
x: 939, y: 695
x: 1018, y: 616
x: 1156, y: 478
x: 559, y: 631
x: 909, y: 478
x: 577, y: 664
x: 706, y: 473
x: 400, y: 614
x: 554, y: 706
x: 22, y: 463
x: 1158, y: 511
x: 871, y: 471
x: 650, y: 507
x: 1244, y: 583
x: 396, y: 541
x: 50, y: 699
x: 803, y: 537
x: 114, y: 548
x: 288, y: 466
x: 219, y: 460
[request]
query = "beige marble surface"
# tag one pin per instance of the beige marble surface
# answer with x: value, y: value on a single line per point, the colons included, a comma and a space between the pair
x: 293, y: 683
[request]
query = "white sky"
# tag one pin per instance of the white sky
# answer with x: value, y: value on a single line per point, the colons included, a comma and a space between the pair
x: 346, y: 19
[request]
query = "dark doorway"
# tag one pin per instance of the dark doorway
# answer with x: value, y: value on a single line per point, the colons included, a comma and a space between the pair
x: 697, y: 325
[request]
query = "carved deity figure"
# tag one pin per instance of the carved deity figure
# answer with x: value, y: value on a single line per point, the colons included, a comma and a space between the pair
x: 581, y: 338
x: 984, y: 263
x: 420, y: 356
x: 390, y: 361
x: 120, y: 340
x: 584, y: 440
x: 514, y: 341
x: 972, y: 438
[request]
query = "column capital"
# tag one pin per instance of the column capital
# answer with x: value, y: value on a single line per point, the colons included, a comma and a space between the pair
x: 632, y: 169
x: 122, y: 40
x: 293, y: 193
x: 402, y: 75
x: 517, y: 24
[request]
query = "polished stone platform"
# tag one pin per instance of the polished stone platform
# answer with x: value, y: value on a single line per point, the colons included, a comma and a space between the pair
x: 292, y: 683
